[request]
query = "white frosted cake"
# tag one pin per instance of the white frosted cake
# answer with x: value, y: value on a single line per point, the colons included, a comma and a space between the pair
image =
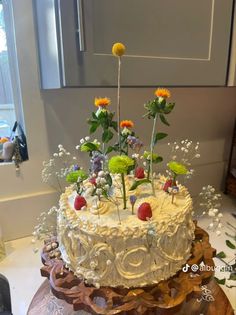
x: 119, y: 224
x: 106, y: 250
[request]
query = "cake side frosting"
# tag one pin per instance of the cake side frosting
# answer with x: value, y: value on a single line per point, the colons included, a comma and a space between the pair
x: 133, y: 253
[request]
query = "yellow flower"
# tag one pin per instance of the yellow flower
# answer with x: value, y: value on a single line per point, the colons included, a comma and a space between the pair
x: 162, y: 93
x: 126, y: 124
x: 118, y: 49
x: 102, y: 101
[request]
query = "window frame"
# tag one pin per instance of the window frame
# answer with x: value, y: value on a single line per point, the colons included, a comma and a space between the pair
x: 12, y: 58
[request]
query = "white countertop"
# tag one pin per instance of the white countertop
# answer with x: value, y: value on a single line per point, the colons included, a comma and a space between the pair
x: 22, y: 266
x: 22, y: 269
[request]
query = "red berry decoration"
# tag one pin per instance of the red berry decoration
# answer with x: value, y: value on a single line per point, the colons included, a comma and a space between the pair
x: 144, y: 211
x: 167, y: 185
x: 139, y: 173
x: 79, y: 202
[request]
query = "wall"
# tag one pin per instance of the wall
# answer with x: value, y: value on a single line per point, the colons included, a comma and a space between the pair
x: 59, y: 116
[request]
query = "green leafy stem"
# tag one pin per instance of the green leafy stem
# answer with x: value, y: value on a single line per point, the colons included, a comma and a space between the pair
x: 157, y: 108
x: 103, y: 119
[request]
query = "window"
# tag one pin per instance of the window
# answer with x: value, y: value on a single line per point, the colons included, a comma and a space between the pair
x: 10, y: 97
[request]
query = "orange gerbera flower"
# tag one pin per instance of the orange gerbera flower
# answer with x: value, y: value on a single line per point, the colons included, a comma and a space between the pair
x: 162, y: 93
x: 102, y: 101
x: 126, y: 124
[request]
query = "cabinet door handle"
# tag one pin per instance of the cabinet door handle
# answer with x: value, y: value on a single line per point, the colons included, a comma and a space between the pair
x: 80, y: 21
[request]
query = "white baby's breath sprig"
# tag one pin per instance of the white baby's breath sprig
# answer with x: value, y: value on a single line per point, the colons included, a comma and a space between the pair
x: 185, y: 151
x: 210, y: 204
x: 56, y: 169
x: 46, y: 227
x: 102, y: 186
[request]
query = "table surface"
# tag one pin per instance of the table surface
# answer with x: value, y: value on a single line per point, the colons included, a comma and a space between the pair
x: 22, y: 266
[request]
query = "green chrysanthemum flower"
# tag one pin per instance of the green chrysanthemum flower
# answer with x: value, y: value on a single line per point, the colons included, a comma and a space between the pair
x: 177, y: 168
x: 73, y: 177
x: 120, y: 164
x: 89, y: 147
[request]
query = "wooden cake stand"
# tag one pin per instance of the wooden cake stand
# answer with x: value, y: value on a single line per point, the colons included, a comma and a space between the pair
x: 186, y: 293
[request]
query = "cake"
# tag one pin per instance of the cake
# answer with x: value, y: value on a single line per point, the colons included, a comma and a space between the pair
x: 133, y: 253
x: 120, y: 224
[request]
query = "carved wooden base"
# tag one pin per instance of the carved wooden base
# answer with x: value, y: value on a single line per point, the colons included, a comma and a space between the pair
x: 167, y: 297
x: 213, y: 301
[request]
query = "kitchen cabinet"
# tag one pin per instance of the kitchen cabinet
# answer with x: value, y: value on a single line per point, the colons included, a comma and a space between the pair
x: 170, y: 43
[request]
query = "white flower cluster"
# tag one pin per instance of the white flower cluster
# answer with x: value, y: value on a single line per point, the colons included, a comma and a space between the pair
x: 101, y: 184
x: 46, y: 227
x: 46, y: 172
x: 85, y: 140
x: 210, y: 202
x: 135, y: 156
x: 62, y: 151
x: 184, y: 151
x: 57, y: 168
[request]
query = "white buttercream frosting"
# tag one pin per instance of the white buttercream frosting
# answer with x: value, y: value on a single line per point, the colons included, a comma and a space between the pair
x: 131, y: 253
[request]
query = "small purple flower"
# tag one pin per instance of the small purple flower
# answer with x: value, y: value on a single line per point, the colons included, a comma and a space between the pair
x: 132, y: 199
x: 131, y: 140
x: 134, y: 143
x: 175, y: 189
x: 76, y: 167
x: 97, y: 161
